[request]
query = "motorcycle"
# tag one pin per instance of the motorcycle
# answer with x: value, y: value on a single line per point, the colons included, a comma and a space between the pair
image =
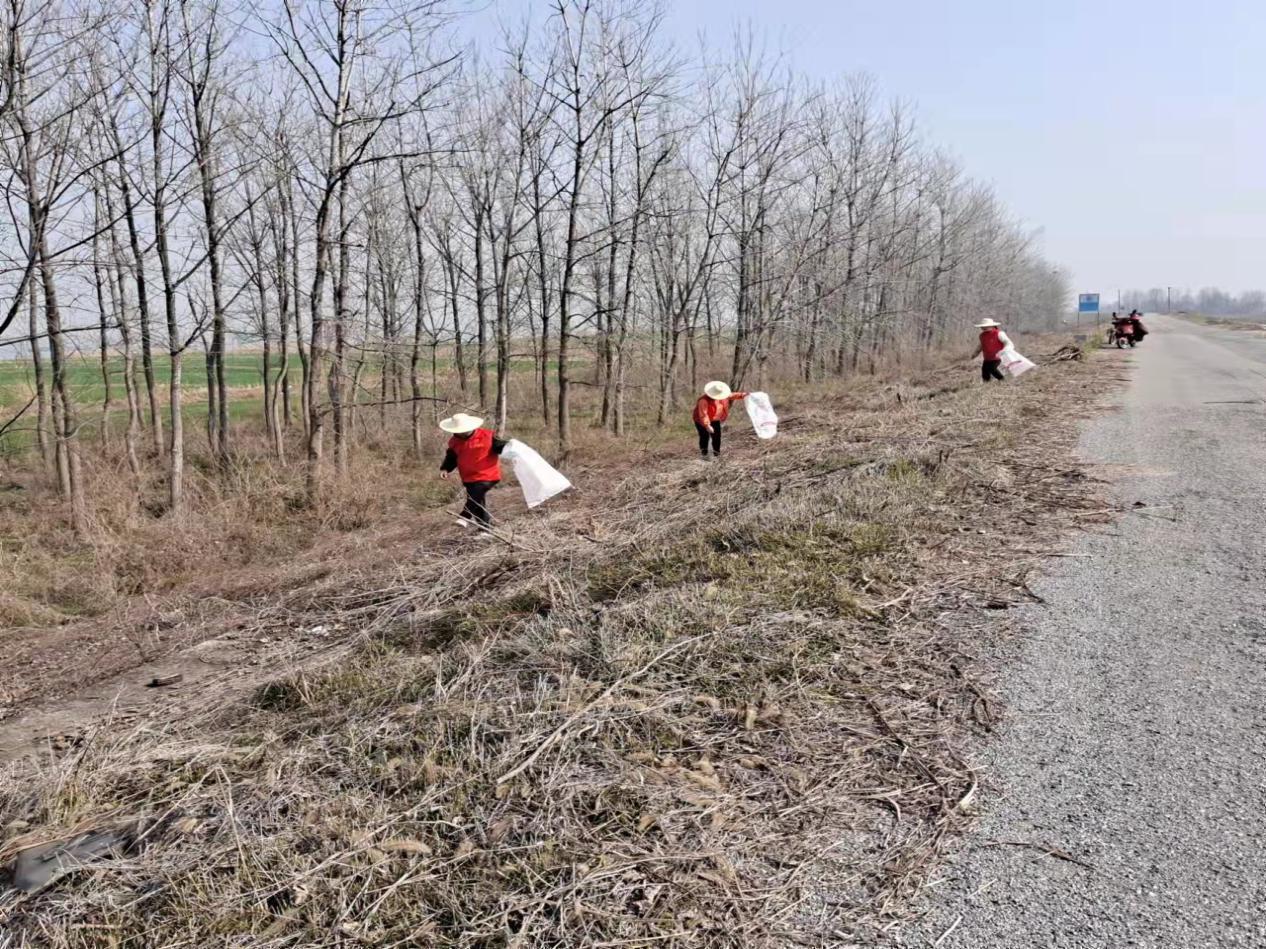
x: 1123, y: 334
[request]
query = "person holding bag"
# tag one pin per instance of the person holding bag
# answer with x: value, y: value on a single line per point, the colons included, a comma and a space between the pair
x: 711, y: 411
x: 474, y: 453
x: 992, y: 342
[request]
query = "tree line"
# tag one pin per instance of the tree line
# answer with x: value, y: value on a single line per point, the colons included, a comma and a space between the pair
x: 1211, y: 301
x: 414, y: 221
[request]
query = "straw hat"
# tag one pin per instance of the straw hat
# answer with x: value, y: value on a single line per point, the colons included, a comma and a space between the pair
x: 461, y: 424
x: 717, y: 390
x: 986, y: 324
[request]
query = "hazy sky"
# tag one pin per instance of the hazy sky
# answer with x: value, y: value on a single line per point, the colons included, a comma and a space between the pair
x: 1132, y: 132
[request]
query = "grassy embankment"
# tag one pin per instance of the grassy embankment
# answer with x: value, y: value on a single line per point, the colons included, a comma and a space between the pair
x: 694, y: 705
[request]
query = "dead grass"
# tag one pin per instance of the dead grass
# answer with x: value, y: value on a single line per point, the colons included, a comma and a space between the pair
x: 708, y: 706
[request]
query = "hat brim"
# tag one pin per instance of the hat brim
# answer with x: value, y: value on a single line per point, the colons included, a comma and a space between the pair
x: 463, y: 427
x: 987, y: 324
x: 717, y: 390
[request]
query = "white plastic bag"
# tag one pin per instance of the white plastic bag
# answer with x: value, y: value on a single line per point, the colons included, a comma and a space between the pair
x: 761, y: 412
x: 538, y: 479
x: 1014, y: 363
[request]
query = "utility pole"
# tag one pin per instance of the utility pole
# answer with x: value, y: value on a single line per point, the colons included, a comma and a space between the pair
x: 1169, y: 299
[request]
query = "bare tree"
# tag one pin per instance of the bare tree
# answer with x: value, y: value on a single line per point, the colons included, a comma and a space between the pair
x: 359, y: 81
x: 45, y: 124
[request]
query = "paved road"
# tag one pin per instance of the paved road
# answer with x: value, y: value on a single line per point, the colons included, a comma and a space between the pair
x: 1137, y: 737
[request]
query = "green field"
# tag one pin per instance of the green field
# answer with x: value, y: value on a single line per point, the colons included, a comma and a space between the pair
x: 242, y: 376
x: 242, y: 371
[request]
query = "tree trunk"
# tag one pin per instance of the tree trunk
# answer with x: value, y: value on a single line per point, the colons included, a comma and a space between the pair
x: 315, y: 417
x: 290, y: 219
x: 118, y: 297
x: 569, y: 269
x: 103, y: 324
x: 338, y: 364
x: 142, y: 307
x: 266, y: 339
x: 454, y: 290
x: 206, y: 176
x: 160, y: 80
x: 415, y: 353
x: 64, y: 422
x: 212, y: 421
x: 37, y: 364
x: 481, y: 314
x: 542, y: 278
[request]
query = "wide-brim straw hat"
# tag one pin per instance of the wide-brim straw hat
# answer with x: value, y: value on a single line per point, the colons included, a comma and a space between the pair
x: 717, y: 390
x: 461, y: 424
x: 986, y: 324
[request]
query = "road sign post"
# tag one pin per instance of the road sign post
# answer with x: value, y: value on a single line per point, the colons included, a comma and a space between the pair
x: 1088, y: 303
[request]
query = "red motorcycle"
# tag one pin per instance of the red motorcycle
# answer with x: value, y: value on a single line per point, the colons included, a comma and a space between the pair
x: 1123, y: 334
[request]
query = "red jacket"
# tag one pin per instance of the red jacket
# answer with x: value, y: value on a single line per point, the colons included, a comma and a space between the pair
x: 475, y: 458
x: 709, y: 410
x: 991, y: 344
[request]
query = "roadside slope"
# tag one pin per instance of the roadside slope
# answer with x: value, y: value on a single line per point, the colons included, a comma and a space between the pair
x: 706, y: 704
x: 1136, y: 742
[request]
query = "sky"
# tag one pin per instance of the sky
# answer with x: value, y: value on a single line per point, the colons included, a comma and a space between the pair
x: 1131, y: 133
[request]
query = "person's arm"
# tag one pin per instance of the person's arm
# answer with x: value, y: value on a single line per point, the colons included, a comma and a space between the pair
x: 978, y: 351
x: 1004, y: 339
x: 498, y: 444
x: 448, y: 464
x: 738, y: 396
x: 701, y: 415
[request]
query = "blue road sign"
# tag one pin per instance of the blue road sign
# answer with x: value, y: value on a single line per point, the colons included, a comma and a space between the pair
x: 1088, y: 303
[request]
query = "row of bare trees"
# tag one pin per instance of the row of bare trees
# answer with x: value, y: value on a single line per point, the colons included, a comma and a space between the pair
x: 1209, y: 301
x: 389, y: 221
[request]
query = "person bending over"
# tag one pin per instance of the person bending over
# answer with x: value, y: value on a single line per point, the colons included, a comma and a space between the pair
x: 711, y: 411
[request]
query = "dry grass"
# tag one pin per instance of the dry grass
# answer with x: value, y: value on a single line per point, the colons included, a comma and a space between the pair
x: 708, y: 706
x: 254, y: 517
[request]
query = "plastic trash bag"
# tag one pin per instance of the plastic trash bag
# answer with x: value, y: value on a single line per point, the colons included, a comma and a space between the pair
x: 761, y: 412
x: 539, y: 480
x: 1014, y: 363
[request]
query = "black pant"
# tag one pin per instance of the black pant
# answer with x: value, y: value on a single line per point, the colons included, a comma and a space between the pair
x: 705, y: 436
x: 989, y: 370
x: 476, y: 510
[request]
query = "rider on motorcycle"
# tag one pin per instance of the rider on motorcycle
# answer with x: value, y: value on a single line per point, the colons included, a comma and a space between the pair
x: 1137, y: 329
x: 1122, y: 326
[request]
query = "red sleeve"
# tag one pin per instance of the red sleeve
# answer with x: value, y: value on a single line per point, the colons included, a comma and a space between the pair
x: 737, y: 396
x: 701, y: 415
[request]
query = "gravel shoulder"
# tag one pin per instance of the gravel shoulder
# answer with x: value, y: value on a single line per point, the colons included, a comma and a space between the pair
x: 1127, y: 802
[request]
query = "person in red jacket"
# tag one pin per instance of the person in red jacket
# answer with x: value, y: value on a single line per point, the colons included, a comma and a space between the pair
x: 711, y: 411
x: 992, y: 342
x: 474, y: 452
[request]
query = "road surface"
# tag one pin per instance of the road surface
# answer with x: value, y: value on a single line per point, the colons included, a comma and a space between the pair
x: 1136, y: 740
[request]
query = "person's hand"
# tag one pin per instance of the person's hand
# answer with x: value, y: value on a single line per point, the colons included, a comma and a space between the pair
x: 444, y: 475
